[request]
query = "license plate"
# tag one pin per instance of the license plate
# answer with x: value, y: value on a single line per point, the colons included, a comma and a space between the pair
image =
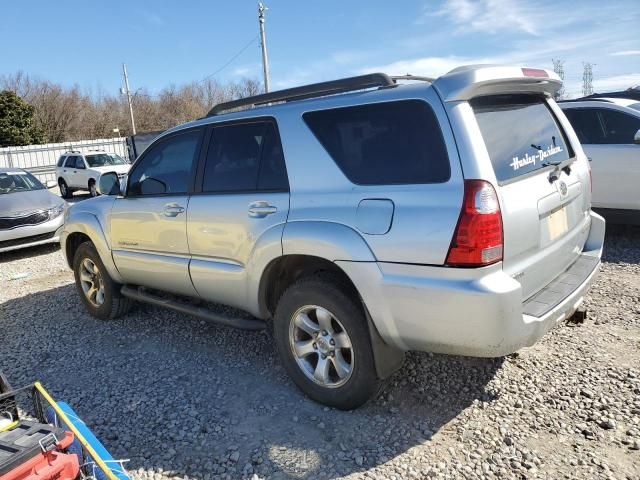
x: 557, y: 223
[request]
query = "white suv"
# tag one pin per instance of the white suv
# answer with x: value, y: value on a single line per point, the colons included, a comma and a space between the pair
x: 609, y: 130
x: 81, y: 171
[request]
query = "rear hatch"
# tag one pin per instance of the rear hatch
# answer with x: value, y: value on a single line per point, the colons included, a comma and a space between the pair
x: 545, y: 208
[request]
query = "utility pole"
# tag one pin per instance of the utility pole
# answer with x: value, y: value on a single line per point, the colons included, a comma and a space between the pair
x: 263, y: 44
x: 587, y: 79
x: 127, y: 92
x: 558, y: 67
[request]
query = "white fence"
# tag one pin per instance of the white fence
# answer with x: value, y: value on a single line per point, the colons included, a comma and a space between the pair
x: 41, y: 159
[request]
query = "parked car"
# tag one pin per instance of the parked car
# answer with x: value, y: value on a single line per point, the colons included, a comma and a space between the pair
x: 364, y: 216
x: 29, y: 213
x: 609, y: 130
x: 78, y: 171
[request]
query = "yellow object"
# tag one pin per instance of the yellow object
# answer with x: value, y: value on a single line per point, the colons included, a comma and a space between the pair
x: 103, y: 466
x: 9, y: 426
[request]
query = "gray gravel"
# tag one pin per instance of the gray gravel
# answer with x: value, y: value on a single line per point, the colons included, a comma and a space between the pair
x: 185, y: 399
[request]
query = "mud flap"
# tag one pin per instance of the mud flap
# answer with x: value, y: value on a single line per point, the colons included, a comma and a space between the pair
x: 388, y: 359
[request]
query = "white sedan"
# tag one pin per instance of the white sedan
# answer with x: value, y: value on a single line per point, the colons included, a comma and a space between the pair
x: 609, y: 130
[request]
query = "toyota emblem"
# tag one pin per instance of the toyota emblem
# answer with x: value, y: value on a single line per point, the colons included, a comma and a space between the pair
x: 563, y: 188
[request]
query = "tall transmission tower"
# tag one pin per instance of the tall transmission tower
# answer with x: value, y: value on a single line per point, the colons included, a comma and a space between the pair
x: 558, y: 67
x: 587, y: 79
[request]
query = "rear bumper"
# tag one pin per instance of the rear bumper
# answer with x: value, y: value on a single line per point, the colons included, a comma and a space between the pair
x: 476, y: 312
x: 32, y: 235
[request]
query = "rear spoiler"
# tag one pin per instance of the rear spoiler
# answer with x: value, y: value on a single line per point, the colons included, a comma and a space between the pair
x: 464, y: 83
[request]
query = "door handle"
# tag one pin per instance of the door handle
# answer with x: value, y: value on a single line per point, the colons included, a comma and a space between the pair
x: 261, y: 209
x: 172, y: 210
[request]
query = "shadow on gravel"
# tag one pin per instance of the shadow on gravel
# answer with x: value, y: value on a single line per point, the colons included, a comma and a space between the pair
x: 29, y: 252
x: 173, y: 393
x: 620, y: 242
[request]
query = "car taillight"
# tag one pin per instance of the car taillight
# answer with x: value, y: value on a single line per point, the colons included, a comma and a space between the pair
x: 477, y: 240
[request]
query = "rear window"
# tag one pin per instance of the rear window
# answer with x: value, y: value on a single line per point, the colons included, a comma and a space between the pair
x: 384, y: 143
x: 520, y: 132
x: 61, y: 161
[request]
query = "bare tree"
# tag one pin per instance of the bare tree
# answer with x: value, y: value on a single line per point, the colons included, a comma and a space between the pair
x: 67, y: 113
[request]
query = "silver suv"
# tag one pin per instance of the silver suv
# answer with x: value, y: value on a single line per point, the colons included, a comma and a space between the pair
x: 366, y: 217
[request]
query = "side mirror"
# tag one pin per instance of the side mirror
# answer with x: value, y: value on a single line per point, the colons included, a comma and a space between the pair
x: 51, y: 184
x: 636, y: 138
x: 109, y: 184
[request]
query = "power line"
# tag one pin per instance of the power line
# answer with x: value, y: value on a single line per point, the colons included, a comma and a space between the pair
x: 240, y: 52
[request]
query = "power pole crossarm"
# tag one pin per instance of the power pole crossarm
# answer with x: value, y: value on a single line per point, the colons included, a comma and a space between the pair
x: 128, y: 93
x: 263, y: 43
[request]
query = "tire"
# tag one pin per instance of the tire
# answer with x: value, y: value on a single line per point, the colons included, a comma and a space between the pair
x: 93, y: 191
x: 324, y: 295
x: 65, y: 191
x: 111, y: 304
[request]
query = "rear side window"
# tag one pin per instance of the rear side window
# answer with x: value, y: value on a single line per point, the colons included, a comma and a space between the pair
x: 587, y: 125
x: 245, y: 157
x: 384, y: 143
x: 520, y: 132
x: 71, y: 162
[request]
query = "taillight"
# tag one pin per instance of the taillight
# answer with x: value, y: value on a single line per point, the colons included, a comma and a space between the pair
x: 477, y: 240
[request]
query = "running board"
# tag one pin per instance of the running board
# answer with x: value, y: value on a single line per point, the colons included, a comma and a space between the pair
x: 204, y: 313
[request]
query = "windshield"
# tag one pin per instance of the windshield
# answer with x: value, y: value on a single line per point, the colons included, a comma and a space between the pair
x: 18, y: 181
x: 635, y: 106
x: 105, y: 159
x: 520, y: 133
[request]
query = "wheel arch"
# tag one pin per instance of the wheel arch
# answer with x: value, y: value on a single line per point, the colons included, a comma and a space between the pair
x: 81, y: 227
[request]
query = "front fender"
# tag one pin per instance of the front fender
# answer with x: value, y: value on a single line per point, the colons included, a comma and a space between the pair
x: 332, y: 241
x: 89, y: 225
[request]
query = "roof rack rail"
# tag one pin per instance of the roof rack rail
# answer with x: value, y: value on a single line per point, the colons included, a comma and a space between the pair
x: 321, y: 89
x: 73, y: 151
x: 408, y: 76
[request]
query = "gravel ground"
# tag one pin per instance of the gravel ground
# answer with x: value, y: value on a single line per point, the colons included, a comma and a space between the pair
x: 185, y: 399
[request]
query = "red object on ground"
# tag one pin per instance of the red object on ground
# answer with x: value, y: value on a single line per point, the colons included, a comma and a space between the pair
x: 52, y: 465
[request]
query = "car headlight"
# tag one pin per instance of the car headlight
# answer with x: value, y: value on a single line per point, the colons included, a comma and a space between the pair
x: 56, y: 211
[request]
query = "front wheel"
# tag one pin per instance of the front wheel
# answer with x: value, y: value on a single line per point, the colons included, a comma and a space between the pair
x: 99, y: 293
x: 65, y: 191
x: 323, y: 340
x: 93, y: 190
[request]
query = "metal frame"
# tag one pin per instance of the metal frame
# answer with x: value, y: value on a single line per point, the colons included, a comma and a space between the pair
x: 361, y: 82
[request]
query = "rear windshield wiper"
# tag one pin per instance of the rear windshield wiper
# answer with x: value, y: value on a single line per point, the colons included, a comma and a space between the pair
x: 561, y: 165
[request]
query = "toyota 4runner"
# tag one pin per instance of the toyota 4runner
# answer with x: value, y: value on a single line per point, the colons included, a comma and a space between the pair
x: 365, y: 217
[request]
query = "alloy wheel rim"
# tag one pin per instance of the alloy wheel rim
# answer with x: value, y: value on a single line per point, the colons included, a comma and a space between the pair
x: 91, y: 282
x: 63, y: 189
x: 321, y: 346
x: 92, y: 190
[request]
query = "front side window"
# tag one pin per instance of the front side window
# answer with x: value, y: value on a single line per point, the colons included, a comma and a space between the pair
x: 166, y: 167
x: 104, y: 160
x: 587, y: 125
x: 619, y: 127
x: 520, y: 132
x: 18, y: 181
x: 245, y: 157
x: 80, y: 163
x: 384, y: 143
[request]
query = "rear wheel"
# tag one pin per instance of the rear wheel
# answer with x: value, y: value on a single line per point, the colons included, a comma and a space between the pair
x: 99, y: 293
x: 323, y: 341
x: 65, y: 191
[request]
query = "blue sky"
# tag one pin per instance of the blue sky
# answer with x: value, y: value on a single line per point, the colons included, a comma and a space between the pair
x: 172, y: 42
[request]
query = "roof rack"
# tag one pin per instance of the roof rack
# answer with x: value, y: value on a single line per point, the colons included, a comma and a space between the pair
x: 408, y: 76
x: 73, y: 151
x: 321, y: 89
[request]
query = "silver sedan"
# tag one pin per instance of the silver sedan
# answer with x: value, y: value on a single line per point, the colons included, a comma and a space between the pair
x: 29, y: 213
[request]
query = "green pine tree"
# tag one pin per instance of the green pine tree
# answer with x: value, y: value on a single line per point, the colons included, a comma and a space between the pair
x: 17, y: 124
